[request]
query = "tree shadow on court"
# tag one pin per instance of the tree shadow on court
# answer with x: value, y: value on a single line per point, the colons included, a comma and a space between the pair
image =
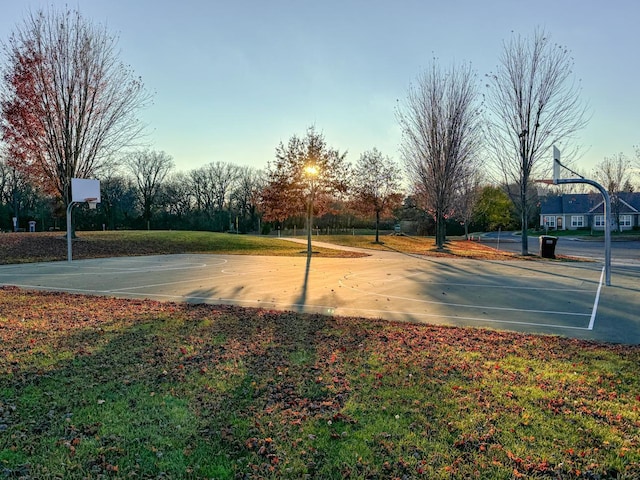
x: 530, y: 268
x: 466, y: 294
x: 213, y: 295
x: 301, y: 300
x: 232, y: 295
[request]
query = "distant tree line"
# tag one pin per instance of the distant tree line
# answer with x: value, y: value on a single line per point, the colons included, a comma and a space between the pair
x: 145, y: 192
x: 224, y: 197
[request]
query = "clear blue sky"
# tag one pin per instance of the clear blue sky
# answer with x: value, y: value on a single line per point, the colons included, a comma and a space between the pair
x: 234, y: 78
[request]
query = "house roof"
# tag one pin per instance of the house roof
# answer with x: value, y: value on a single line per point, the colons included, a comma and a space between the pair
x: 578, y: 203
x: 550, y: 204
x: 583, y: 203
x: 631, y: 199
x: 629, y: 203
x: 572, y: 203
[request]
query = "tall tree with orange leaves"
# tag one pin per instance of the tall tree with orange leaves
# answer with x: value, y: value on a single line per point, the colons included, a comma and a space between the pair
x: 68, y: 105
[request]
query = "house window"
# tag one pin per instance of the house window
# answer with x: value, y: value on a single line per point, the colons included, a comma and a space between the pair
x: 625, y: 220
x: 550, y: 222
x: 598, y: 221
x: 577, y: 221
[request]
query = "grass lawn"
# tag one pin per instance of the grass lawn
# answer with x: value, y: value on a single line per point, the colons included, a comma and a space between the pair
x: 43, y: 247
x: 94, y: 387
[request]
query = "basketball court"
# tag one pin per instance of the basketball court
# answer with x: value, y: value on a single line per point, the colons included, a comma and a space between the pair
x: 574, y: 299
x: 568, y: 299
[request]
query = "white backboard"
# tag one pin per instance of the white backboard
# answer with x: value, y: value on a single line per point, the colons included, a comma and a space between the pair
x: 84, y: 188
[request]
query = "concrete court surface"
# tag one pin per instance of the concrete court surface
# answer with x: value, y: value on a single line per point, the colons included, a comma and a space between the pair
x: 568, y: 299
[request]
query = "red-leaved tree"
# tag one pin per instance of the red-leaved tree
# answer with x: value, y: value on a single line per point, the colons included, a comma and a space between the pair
x: 67, y: 104
x: 305, y: 177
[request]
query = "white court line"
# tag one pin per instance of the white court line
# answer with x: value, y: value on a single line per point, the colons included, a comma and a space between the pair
x: 595, y: 303
x: 105, y: 270
x: 321, y: 308
x: 116, y: 290
x: 47, y: 288
x: 332, y: 310
x: 100, y: 271
x: 461, y: 305
x: 510, y: 287
x: 470, y: 273
x: 160, y: 268
x: 138, y: 287
x: 475, y: 319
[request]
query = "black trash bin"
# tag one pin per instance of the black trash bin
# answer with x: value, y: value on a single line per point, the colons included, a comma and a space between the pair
x: 548, y: 246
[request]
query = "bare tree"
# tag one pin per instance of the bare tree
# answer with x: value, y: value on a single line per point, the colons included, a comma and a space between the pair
x: 13, y: 191
x: 533, y: 104
x: 614, y: 173
x: 221, y: 177
x: 149, y: 169
x: 440, y: 124
x: 467, y: 197
x: 212, y: 186
x: 200, y: 190
x: 176, y: 196
x: 637, y: 162
x: 68, y: 103
x: 245, y: 196
x: 117, y: 198
x: 376, y: 186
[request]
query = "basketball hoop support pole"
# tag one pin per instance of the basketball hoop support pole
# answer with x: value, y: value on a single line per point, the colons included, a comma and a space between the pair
x: 607, y: 217
x: 69, y: 208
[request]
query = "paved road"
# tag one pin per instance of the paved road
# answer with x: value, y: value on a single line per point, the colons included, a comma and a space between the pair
x: 622, y: 252
x: 529, y: 296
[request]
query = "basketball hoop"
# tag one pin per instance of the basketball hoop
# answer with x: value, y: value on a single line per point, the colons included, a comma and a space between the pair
x: 83, y: 190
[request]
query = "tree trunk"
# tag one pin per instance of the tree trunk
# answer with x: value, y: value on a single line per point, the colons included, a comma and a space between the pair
x: 377, y: 226
x: 309, y: 222
x: 523, y: 218
x: 440, y: 230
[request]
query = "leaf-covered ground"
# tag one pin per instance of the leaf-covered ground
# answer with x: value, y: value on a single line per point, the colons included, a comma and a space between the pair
x: 453, y: 248
x: 96, y: 387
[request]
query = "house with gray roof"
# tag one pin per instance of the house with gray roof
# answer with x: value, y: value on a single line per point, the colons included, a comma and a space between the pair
x: 586, y: 211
